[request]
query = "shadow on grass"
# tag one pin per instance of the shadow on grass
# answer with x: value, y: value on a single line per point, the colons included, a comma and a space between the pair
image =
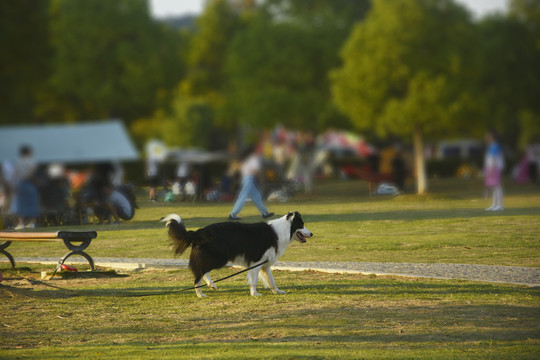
x: 414, y: 215
x: 400, y: 215
x: 363, y: 288
x: 423, y: 290
x: 423, y: 326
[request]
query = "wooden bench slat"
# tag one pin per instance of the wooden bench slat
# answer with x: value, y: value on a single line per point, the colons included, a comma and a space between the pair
x: 23, y: 235
x: 29, y: 240
x: 38, y: 236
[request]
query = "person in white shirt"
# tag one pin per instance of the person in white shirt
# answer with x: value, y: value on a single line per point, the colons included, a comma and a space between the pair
x: 152, y: 173
x: 250, y: 169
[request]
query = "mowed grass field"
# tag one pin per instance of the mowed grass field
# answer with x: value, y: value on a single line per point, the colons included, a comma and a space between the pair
x: 449, y: 225
x: 322, y: 315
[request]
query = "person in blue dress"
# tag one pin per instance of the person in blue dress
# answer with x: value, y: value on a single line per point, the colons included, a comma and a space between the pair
x: 493, y: 169
x: 27, y: 196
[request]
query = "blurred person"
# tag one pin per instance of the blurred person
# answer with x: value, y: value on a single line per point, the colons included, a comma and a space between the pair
x: 306, y: 150
x: 106, y: 206
x: 54, y: 190
x: 27, y: 196
x: 117, y: 173
x: 493, y: 168
x: 183, y: 171
x: 520, y: 173
x: 152, y: 173
x: 98, y: 190
x: 251, y: 168
x: 280, y: 154
x: 122, y: 207
x: 533, y: 161
x: 8, y: 183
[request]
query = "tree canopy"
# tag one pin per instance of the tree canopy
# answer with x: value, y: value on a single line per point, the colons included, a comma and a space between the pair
x: 400, y: 67
x: 24, y: 59
x: 404, y: 68
x: 104, y: 51
x: 277, y: 66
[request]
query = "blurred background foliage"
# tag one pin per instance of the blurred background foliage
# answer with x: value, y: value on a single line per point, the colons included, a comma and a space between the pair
x: 382, y: 67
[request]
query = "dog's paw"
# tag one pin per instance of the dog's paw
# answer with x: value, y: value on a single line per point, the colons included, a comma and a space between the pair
x: 256, y: 294
x: 211, y: 285
x: 279, y: 292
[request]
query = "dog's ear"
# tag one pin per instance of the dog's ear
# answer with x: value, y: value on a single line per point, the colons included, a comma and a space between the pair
x: 290, y: 215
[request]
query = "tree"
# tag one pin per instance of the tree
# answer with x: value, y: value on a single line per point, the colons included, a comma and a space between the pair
x: 277, y: 65
x: 510, y: 78
x: 192, y: 117
x: 24, y: 59
x: 258, y: 63
x: 527, y: 13
x: 270, y: 78
x: 111, y: 59
x: 405, y: 69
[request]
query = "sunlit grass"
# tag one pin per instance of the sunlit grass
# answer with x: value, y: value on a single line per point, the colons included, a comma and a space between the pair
x: 321, y: 316
x: 449, y: 225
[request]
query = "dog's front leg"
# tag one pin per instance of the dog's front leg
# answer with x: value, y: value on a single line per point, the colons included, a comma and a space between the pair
x: 198, y: 290
x: 267, y: 274
x: 253, y: 276
x: 209, y: 282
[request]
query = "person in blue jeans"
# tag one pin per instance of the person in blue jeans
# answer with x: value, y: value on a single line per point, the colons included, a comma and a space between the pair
x: 250, y: 169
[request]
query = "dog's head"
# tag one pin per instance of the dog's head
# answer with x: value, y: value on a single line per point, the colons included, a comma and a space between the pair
x: 298, y: 230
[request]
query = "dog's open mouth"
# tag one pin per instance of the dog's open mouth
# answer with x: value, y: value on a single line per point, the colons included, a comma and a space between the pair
x: 301, y: 238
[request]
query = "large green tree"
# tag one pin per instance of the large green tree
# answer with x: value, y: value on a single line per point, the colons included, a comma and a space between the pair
x: 193, y: 116
x: 257, y: 63
x: 24, y: 58
x: 510, y: 78
x: 111, y: 59
x: 527, y: 14
x: 404, y: 72
x: 277, y: 66
x: 270, y: 77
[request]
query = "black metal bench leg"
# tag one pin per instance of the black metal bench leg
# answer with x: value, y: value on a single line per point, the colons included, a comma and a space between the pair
x: 3, y: 247
x: 8, y: 255
x: 81, y: 253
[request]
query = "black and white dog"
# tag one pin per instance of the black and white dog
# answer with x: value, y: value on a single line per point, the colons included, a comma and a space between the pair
x: 243, y: 244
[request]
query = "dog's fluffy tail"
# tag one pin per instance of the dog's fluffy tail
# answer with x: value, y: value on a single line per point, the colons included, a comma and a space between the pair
x: 180, y: 238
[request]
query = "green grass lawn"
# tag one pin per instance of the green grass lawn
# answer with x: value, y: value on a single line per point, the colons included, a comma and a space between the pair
x: 322, y: 315
x: 449, y: 226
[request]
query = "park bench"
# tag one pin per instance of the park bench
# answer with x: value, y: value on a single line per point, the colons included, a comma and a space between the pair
x: 75, y: 241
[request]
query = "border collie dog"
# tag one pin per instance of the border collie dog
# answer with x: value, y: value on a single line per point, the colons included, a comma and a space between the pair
x: 243, y: 244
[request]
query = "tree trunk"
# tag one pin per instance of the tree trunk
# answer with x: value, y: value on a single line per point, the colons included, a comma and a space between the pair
x: 419, y: 160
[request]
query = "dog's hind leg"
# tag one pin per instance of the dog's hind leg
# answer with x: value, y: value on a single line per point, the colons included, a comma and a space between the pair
x: 253, y: 277
x: 209, y: 282
x: 269, y: 280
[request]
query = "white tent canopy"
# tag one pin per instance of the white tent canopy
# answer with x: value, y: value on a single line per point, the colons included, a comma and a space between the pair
x: 69, y: 143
